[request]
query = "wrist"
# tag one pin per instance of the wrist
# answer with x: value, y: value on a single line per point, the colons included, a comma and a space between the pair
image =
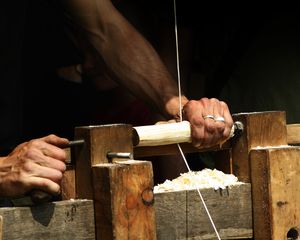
x: 173, y: 108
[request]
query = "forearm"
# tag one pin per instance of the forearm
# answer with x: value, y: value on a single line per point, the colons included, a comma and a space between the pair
x: 127, y: 55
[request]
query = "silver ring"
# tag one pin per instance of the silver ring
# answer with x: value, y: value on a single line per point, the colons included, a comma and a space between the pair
x: 209, y: 116
x: 219, y: 119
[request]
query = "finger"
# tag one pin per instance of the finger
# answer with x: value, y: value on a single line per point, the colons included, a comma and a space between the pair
x: 48, y: 173
x: 47, y: 149
x: 228, y: 120
x: 36, y: 156
x: 55, y: 140
x: 218, y: 112
x: 43, y: 184
x: 193, y: 112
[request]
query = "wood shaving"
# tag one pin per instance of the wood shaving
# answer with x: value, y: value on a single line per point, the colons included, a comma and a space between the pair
x: 207, y: 178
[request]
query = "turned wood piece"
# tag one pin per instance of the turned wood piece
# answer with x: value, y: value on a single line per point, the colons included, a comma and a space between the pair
x: 163, y: 134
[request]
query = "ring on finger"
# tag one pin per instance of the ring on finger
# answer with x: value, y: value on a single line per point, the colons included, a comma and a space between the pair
x: 209, y: 116
x: 219, y: 119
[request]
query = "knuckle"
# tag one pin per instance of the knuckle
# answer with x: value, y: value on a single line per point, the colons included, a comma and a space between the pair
x: 29, y: 154
x: 52, y: 137
x: 33, y: 143
x: 209, y: 127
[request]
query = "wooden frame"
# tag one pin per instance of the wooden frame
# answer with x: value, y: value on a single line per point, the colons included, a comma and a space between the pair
x: 265, y: 207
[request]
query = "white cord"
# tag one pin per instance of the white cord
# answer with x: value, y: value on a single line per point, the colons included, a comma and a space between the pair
x: 177, y: 62
x: 180, y: 115
x: 200, y: 195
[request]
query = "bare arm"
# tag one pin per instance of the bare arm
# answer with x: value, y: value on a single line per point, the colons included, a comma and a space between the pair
x: 137, y: 66
x: 127, y: 55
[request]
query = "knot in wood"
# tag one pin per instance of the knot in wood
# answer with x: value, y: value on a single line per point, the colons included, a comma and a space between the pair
x: 148, y: 197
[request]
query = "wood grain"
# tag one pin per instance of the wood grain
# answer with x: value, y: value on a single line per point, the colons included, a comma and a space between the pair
x: 59, y: 220
x: 293, y: 133
x: 1, y: 227
x: 181, y: 215
x: 124, y: 200
x: 99, y: 140
x: 68, y: 188
x: 275, y: 174
x: 260, y: 129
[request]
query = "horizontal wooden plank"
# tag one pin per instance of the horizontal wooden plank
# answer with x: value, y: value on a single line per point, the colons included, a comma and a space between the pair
x: 64, y: 220
x: 181, y: 215
x: 293, y: 133
x: 140, y: 152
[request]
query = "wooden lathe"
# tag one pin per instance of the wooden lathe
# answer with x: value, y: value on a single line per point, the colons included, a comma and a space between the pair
x: 107, y: 196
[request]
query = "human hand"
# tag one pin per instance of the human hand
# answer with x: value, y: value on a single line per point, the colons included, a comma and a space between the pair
x: 210, y: 120
x: 37, y: 164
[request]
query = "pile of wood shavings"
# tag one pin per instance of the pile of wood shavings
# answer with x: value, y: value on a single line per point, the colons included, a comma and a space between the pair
x: 207, y: 178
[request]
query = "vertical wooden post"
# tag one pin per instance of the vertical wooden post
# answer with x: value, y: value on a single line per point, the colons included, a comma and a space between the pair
x: 1, y: 227
x: 124, y: 200
x: 260, y: 129
x: 122, y: 190
x: 99, y: 140
x: 275, y: 174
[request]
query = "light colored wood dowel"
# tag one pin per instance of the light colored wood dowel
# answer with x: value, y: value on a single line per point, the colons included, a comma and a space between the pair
x: 164, y: 134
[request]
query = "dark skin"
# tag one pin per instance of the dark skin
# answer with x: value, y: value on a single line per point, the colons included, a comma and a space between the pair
x: 131, y: 61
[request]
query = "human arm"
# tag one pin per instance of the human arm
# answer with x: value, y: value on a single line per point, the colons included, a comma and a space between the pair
x: 126, y: 53
x: 37, y: 164
x: 134, y: 63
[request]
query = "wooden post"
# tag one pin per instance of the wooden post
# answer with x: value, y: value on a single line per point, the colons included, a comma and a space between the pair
x: 275, y: 174
x: 124, y: 200
x: 99, y: 140
x: 260, y: 129
x: 122, y: 190
x: 1, y: 224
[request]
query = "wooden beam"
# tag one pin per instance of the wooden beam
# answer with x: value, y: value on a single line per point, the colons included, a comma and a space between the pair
x: 124, y: 200
x: 260, y: 129
x: 275, y: 174
x: 58, y: 220
x: 140, y: 152
x: 1, y: 227
x: 293, y: 133
x: 68, y: 188
x: 181, y: 215
x: 99, y: 140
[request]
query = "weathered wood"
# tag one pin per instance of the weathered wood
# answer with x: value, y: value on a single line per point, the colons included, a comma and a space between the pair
x: 275, y: 174
x: 293, y: 133
x: 58, y: 220
x: 260, y: 129
x: 1, y: 227
x: 68, y: 189
x: 140, y: 152
x: 124, y: 200
x: 99, y: 140
x: 181, y: 215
